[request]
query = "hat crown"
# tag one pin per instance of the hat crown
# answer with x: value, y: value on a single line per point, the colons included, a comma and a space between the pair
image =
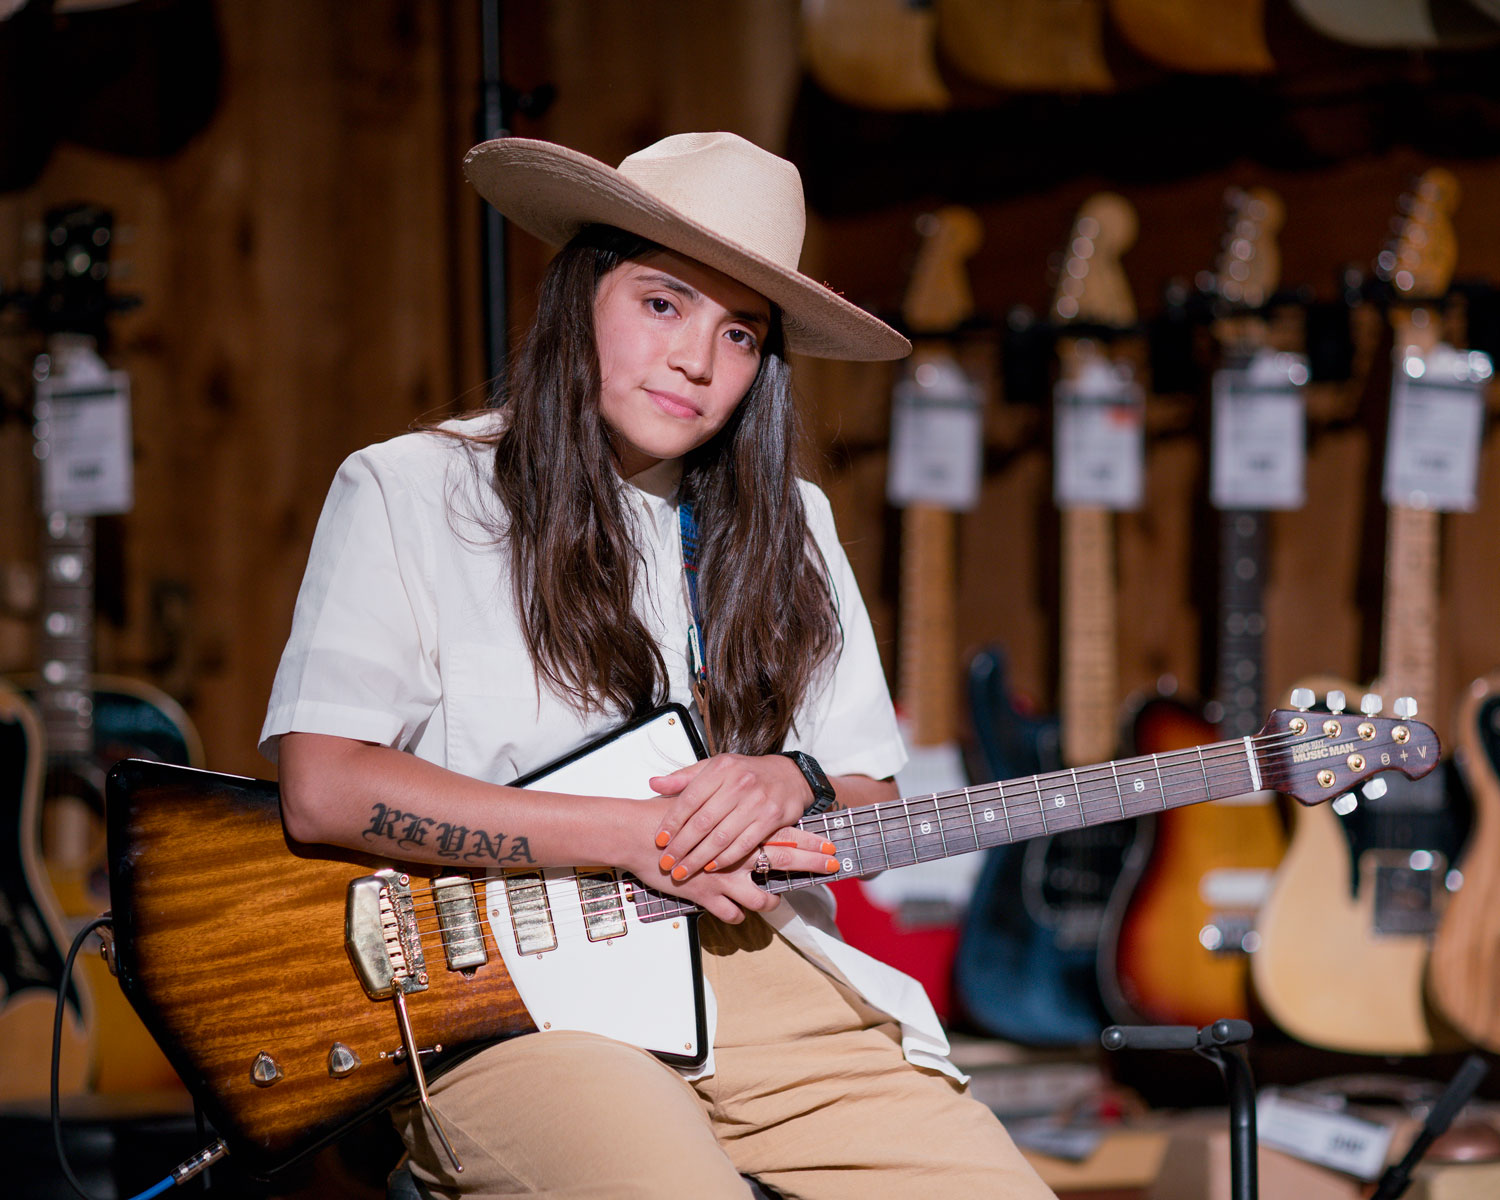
x: 729, y: 186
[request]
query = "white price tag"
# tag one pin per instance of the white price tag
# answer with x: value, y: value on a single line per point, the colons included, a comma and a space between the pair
x: 1099, y: 440
x: 1437, y: 415
x: 82, y: 429
x: 937, y: 437
x: 1260, y: 434
x: 1324, y: 1136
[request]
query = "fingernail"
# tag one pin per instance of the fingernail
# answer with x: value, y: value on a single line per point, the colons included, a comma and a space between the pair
x: 830, y: 848
x: 831, y: 865
x: 666, y: 862
x: 713, y: 866
x: 662, y: 839
x: 679, y: 873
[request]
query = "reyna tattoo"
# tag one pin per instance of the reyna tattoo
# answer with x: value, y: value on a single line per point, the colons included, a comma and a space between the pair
x: 459, y: 842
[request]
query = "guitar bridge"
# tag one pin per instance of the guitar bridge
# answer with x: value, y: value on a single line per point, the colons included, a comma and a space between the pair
x: 380, y: 933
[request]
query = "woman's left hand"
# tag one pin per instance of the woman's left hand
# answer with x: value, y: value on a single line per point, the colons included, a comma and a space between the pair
x: 727, y: 807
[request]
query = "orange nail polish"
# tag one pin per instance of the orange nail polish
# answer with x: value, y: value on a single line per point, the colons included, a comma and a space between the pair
x: 666, y: 862
x: 713, y: 866
x: 662, y: 839
x: 831, y: 865
x: 830, y: 848
x: 679, y: 873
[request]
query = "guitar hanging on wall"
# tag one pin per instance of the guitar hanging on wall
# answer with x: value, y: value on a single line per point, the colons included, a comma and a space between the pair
x: 1377, y: 875
x: 1027, y: 962
x: 298, y: 991
x: 1180, y: 927
x: 910, y: 919
x: 85, y: 722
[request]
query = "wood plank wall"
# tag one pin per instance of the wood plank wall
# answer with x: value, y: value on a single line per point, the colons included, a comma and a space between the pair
x: 309, y: 279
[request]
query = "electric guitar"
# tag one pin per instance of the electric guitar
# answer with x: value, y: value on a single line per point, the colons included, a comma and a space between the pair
x: 86, y: 722
x: 298, y: 989
x: 1463, y: 972
x: 1179, y: 928
x: 1027, y: 962
x: 911, y: 919
x: 1377, y: 876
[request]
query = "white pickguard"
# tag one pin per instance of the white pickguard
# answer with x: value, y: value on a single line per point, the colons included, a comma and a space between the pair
x: 632, y: 981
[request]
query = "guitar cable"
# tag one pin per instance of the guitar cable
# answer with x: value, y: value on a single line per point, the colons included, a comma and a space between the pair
x: 184, y: 1171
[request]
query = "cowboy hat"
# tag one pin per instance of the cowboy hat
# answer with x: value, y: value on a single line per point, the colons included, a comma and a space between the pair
x: 712, y: 196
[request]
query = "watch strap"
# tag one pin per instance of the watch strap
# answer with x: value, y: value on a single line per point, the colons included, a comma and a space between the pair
x: 824, y: 796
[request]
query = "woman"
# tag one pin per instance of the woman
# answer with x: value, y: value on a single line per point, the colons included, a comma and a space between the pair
x: 487, y: 597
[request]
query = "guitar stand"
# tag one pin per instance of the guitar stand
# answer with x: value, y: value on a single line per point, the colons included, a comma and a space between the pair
x: 1219, y: 1044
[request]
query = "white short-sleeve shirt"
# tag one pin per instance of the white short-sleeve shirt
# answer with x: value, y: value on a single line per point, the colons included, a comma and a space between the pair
x: 405, y: 633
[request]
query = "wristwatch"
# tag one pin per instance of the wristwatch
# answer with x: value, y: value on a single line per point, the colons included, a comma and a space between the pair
x: 824, y: 797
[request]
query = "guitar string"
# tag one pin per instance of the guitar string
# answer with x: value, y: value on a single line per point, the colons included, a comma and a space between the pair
x: 1089, y: 798
x: 1095, y: 794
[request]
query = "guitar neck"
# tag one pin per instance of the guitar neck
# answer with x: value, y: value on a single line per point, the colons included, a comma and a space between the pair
x: 1409, y: 629
x: 900, y: 833
x: 1241, y: 620
x: 1088, y: 676
x: 927, y: 673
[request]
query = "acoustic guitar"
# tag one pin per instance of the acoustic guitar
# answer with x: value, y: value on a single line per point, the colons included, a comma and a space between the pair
x: 1463, y: 973
x: 1027, y: 45
x: 877, y: 54
x: 910, y: 919
x: 299, y: 989
x: 87, y: 722
x: 1027, y: 961
x: 1377, y: 876
x: 1179, y: 928
x: 1204, y: 36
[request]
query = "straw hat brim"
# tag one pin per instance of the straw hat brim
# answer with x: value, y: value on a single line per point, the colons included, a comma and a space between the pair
x: 553, y: 192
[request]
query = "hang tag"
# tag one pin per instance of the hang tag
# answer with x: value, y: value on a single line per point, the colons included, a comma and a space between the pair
x: 1437, y: 417
x: 82, y: 428
x: 937, y: 437
x: 1260, y: 434
x: 1328, y: 1137
x: 1099, y: 439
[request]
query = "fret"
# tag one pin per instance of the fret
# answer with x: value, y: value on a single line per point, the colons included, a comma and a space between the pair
x: 1041, y: 804
x: 1203, y: 767
x: 1119, y: 795
x: 969, y: 808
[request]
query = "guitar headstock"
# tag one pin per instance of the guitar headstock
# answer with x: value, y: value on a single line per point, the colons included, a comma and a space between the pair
x: 1419, y: 263
x: 74, y: 295
x: 1318, y: 756
x: 1091, y: 286
x: 1249, y: 263
x: 938, y: 297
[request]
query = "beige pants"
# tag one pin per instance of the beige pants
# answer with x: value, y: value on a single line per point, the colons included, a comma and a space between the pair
x: 810, y: 1094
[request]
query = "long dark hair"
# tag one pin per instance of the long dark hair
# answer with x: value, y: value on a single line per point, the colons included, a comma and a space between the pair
x: 768, y: 612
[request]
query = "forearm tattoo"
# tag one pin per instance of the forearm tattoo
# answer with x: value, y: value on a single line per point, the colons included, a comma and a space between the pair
x: 458, y: 842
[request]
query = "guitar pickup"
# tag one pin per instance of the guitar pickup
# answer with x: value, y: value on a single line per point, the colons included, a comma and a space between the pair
x: 458, y: 922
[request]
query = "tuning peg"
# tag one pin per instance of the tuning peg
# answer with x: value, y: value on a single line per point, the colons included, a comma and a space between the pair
x: 1303, y: 698
x: 1345, y: 804
x: 1405, y: 707
x: 1336, y: 701
x: 1370, y: 704
x: 1374, y: 789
